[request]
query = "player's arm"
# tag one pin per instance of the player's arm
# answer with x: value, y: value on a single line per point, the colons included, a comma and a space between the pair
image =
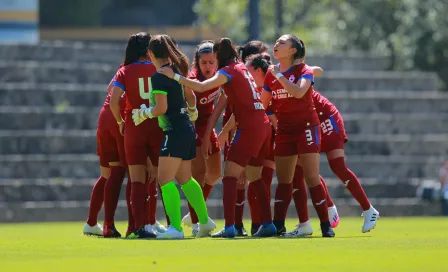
x: 230, y: 125
x: 317, y: 71
x: 114, y: 104
x: 190, y: 97
x: 217, y: 80
x: 160, y: 92
x: 298, y: 89
x: 266, y: 97
x: 219, y: 108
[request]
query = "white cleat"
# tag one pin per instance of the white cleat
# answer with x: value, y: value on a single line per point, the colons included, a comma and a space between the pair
x: 171, y: 233
x: 158, y: 227
x: 206, y: 229
x: 96, y: 230
x: 333, y: 216
x: 370, y: 217
x: 149, y: 228
x: 187, y: 220
x: 195, y: 230
x: 302, y: 230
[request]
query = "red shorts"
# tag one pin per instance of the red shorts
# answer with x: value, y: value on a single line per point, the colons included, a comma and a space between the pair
x: 142, y: 141
x: 245, y: 149
x: 200, y: 130
x: 109, y: 141
x: 297, y: 141
x: 270, y: 156
x: 333, y: 133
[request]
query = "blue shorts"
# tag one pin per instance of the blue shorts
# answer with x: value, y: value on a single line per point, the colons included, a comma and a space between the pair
x: 179, y: 143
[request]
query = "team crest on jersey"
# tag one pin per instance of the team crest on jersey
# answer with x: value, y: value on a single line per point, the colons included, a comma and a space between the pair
x: 292, y: 78
x: 203, y: 100
x: 274, y: 94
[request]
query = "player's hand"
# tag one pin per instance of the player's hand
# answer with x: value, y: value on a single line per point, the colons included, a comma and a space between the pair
x: 274, y: 69
x: 139, y: 115
x: 167, y: 71
x: 206, y: 147
x: 121, y: 127
x: 223, y: 139
x: 193, y: 114
x: 242, y: 180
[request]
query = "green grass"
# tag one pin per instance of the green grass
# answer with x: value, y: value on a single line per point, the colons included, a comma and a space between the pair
x: 397, y: 244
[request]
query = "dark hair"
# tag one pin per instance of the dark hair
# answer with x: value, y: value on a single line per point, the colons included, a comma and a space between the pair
x: 299, y: 45
x: 225, y: 52
x: 137, y: 47
x: 250, y: 48
x: 163, y: 47
x: 259, y: 61
x: 205, y: 46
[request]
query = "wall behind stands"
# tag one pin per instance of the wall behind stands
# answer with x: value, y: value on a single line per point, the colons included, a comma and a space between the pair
x: 19, y: 21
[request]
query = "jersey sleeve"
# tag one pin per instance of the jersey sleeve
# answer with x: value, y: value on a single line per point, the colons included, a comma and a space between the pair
x: 307, y: 73
x: 267, y: 80
x: 226, y: 71
x: 159, y: 84
x: 119, y: 80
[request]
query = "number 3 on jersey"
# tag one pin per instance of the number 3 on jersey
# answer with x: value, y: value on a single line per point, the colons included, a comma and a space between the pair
x: 141, y: 87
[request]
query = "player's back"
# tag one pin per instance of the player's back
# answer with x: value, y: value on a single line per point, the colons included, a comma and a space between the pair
x: 136, y: 80
x: 323, y: 105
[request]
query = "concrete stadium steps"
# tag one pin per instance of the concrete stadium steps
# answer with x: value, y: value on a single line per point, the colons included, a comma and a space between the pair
x: 80, y: 73
x: 87, y: 166
x: 93, y: 95
x: 114, y: 54
x: 78, y: 210
x: 80, y: 190
x: 84, y: 141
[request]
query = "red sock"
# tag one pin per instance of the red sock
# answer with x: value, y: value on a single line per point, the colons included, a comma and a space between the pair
x: 206, y: 190
x: 138, y: 201
x: 263, y: 201
x: 239, y: 209
x: 350, y: 181
x: 112, y: 193
x: 229, y: 196
x: 128, y: 204
x: 330, y: 202
x: 283, y: 196
x: 318, y: 196
x: 151, y: 203
x: 300, y: 195
x: 96, y: 201
x: 267, y: 174
x: 168, y: 222
x: 253, y: 204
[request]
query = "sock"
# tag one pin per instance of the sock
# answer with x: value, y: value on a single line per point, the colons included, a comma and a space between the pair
x: 263, y: 201
x: 239, y: 209
x: 267, y: 174
x: 194, y: 195
x: 96, y: 201
x: 318, y: 196
x: 229, y: 199
x: 206, y: 190
x: 300, y: 195
x: 330, y: 202
x: 253, y: 204
x: 138, y: 201
x: 151, y: 207
x: 112, y: 193
x: 350, y: 181
x: 171, y: 196
x: 283, y: 196
x: 131, y: 224
x: 168, y: 222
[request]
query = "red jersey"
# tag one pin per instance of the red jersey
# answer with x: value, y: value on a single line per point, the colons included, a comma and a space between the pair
x: 242, y: 95
x: 122, y: 100
x: 135, y: 80
x: 324, y: 107
x: 205, y: 102
x: 292, y: 112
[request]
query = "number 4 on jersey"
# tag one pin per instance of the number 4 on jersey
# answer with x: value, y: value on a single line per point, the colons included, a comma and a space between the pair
x: 141, y: 87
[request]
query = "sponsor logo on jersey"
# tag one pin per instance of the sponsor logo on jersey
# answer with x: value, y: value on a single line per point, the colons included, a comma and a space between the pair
x: 281, y: 94
x: 210, y: 98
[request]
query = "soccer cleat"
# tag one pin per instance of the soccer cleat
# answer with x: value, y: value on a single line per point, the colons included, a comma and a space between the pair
x: 187, y: 220
x: 370, y: 217
x: 142, y: 234
x: 96, y: 230
x: 194, y: 229
x: 334, y: 216
x: 254, y: 228
x: 158, y: 227
x: 229, y: 232
x: 206, y: 229
x: 111, y: 232
x: 129, y: 231
x: 268, y: 230
x: 327, y: 231
x: 149, y: 228
x: 281, y: 231
x: 302, y: 230
x: 240, y: 230
x: 171, y: 233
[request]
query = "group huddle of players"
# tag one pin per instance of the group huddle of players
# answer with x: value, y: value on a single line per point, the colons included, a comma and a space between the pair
x: 157, y: 125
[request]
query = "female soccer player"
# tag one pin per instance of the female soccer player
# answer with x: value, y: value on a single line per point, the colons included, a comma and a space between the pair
x: 205, y: 171
x: 142, y: 141
x: 245, y: 150
x: 298, y: 131
x: 168, y: 104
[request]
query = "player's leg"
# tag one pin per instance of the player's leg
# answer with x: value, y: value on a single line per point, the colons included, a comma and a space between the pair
x: 240, y: 201
x: 96, y: 201
x: 198, y: 168
x: 131, y: 223
x: 332, y: 210
x: 285, y: 164
x: 111, y: 195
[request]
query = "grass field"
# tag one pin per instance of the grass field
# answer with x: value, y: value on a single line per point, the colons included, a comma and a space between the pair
x: 397, y: 244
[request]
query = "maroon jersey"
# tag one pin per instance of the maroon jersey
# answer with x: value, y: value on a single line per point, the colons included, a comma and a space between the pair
x: 204, y: 101
x: 135, y: 80
x: 324, y: 107
x: 292, y: 112
x: 242, y: 95
x: 122, y: 101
